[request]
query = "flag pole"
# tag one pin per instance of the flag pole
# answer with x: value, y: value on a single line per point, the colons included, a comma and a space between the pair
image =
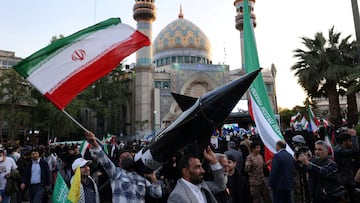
x: 79, y: 124
x: 75, y: 121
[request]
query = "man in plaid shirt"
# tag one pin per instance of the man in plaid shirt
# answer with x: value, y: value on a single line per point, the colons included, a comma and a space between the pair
x: 127, y: 185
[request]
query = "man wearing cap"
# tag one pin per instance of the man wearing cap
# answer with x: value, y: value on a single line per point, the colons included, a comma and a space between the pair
x: 88, y: 189
x: 127, y: 185
x: 300, y: 180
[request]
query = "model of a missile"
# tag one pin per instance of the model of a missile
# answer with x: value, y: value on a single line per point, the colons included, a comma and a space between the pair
x: 195, y: 124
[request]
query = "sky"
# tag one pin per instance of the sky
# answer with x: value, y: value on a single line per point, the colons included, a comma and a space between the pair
x: 27, y: 26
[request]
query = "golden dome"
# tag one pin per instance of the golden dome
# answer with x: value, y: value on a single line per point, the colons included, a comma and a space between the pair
x: 181, y: 38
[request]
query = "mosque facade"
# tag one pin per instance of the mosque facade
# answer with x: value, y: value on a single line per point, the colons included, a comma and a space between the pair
x: 178, y: 60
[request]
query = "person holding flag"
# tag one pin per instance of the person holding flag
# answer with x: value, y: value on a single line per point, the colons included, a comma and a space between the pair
x: 126, y: 184
x: 88, y: 190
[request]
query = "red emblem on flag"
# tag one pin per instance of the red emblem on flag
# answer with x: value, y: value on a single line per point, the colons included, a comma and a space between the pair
x: 78, y: 55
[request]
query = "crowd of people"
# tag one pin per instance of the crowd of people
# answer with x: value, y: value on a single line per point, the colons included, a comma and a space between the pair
x: 234, y: 172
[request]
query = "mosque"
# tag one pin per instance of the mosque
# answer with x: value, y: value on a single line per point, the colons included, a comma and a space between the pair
x: 178, y: 60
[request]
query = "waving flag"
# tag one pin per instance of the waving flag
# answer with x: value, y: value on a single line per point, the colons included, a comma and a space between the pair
x: 64, y: 68
x: 74, y: 193
x: 61, y: 190
x: 330, y: 146
x: 304, y: 123
x: 105, y: 140
x: 324, y: 122
x: 83, y: 147
x: 313, y: 121
x: 260, y: 108
x: 294, y: 118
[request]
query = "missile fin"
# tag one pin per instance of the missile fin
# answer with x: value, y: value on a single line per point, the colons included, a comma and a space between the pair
x: 183, y: 101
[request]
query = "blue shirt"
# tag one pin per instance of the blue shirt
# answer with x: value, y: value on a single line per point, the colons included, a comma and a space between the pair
x: 35, y: 172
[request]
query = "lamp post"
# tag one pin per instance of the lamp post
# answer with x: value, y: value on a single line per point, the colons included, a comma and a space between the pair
x: 356, y: 17
x: 34, y: 134
x: 154, y: 127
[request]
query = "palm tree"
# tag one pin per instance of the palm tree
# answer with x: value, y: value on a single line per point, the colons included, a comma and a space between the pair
x: 350, y: 57
x: 356, y: 77
x: 320, y: 69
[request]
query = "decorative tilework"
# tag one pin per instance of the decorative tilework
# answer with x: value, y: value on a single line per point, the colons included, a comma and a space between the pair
x: 181, y: 33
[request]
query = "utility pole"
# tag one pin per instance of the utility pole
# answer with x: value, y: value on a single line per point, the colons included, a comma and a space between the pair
x: 356, y: 16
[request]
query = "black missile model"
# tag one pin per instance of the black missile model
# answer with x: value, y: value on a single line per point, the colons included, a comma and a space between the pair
x: 199, y: 118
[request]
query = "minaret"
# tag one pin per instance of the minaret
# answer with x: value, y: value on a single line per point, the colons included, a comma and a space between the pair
x: 144, y: 14
x: 239, y: 20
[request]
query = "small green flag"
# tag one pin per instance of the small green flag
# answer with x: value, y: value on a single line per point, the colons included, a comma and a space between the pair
x: 107, y: 139
x: 105, y: 146
x: 83, y: 147
x: 60, y: 190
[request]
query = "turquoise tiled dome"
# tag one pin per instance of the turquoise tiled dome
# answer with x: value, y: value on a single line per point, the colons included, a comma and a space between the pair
x: 181, y: 38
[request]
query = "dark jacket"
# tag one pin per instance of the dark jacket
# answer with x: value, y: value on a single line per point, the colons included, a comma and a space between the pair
x: 12, y: 182
x: 45, y: 174
x: 281, y: 176
x: 238, y: 188
x: 345, y: 160
x: 323, y: 177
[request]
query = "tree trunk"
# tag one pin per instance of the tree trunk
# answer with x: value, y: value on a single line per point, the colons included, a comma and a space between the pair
x: 352, y: 115
x: 334, y: 106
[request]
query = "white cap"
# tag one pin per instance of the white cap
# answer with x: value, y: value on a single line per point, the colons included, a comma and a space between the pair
x: 298, y: 139
x: 80, y: 162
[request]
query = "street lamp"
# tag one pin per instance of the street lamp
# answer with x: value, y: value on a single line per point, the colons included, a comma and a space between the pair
x: 355, y: 9
x: 34, y: 138
x: 154, y: 127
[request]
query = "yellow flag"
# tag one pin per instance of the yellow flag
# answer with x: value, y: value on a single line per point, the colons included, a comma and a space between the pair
x: 74, y: 193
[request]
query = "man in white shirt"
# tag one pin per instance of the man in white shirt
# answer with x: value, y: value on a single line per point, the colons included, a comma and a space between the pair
x: 191, y: 188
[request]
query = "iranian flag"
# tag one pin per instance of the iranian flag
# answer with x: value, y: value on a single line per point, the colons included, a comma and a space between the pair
x: 330, y: 146
x: 64, y: 68
x: 105, y: 140
x: 313, y: 121
x: 83, y: 147
x: 294, y: 118
x: 260, y: 108
x: 304, y: 123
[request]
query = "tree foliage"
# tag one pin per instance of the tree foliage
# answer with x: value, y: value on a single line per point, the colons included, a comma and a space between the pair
x: 322, y: 66
x: 15, y: 103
